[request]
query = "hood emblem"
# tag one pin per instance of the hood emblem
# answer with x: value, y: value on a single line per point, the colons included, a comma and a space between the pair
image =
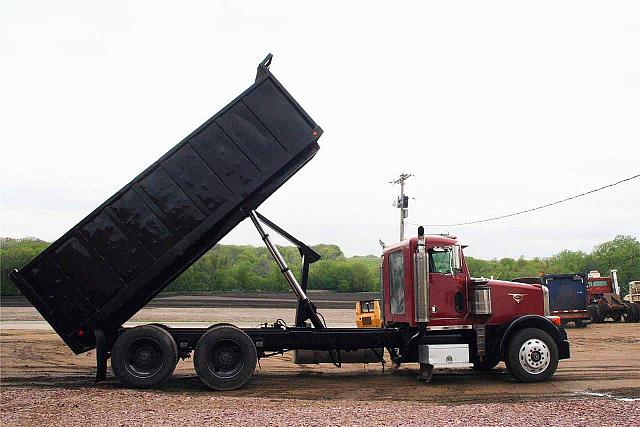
x: 518, y: 297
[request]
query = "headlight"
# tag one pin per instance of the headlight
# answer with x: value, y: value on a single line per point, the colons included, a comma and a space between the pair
x: 545, y: 294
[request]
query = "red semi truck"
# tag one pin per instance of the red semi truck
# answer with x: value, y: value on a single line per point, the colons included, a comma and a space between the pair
x: 93, y: 279
x: 428, y: 291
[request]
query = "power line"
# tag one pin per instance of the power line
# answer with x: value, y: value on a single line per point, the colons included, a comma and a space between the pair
x: 531, y: 209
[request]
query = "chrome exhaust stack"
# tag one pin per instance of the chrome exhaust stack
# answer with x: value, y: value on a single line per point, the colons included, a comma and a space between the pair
x: 421, y: 279
x: 614, y: 279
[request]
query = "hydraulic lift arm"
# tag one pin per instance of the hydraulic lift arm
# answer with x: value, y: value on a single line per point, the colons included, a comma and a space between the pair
x: 306, y: 309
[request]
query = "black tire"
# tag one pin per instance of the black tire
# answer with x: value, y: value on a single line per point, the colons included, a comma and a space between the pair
x: 633, y: 312
x: 489, y: 362
x: 603, y: 310
x: 532, y: 355
x: 597, y: 313
x: 617, y: 317
x: 225, y: 358
x: 221, y: 324
x: 594, y: 313
x: 581, y: 323
x: 144, y: 356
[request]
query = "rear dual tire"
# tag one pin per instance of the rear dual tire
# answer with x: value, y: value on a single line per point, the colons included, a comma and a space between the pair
x: 633, y: 312
x: 597, y: 312
x: 225, y: 357
x: 144, y: 356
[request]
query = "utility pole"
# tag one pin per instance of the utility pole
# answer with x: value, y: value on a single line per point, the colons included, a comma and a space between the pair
x: 402, y: 202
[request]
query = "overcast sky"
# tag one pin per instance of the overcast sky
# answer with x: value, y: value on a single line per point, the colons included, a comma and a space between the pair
x: 493, y: 106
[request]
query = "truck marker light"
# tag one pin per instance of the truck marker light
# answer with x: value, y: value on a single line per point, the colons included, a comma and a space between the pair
x: 80, y: 332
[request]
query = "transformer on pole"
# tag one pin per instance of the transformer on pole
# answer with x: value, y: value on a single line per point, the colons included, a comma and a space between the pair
x: 402, y: 202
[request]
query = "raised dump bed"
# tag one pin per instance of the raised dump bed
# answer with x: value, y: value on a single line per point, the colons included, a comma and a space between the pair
x: 114, y: 261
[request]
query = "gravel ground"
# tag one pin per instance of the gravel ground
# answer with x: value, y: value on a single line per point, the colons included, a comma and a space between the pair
x: 101, y: 408
x: 43, y: 383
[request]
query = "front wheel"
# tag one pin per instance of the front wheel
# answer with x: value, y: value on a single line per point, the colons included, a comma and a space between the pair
x: 532, y: 355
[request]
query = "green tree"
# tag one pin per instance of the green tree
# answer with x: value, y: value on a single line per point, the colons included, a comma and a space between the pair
x: 250, y: 268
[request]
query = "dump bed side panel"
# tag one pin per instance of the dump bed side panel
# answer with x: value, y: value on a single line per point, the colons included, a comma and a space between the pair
x: 567, y: 292
x: 120, y: 256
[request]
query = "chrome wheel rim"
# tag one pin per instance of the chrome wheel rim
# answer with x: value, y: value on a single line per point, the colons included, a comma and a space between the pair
x: 534, y: 356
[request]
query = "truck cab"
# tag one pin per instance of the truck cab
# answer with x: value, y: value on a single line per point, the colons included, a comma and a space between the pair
x: 427, y: 290
x: 598, y: 285
x: 449, y: 295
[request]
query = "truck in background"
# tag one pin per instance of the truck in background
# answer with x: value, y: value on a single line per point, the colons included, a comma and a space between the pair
x: 634, y: 292
x: 605, y: 301
x: 568, y: 296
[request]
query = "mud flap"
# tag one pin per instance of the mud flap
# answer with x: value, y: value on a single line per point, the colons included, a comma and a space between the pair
x: 564, y: 350
x: 102, y: 354
x: 426, y: 372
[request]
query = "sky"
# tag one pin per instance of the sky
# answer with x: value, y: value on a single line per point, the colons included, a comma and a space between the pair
x: 494, y: 107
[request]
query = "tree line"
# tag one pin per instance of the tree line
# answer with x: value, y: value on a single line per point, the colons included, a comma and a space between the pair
x: 250, y: 268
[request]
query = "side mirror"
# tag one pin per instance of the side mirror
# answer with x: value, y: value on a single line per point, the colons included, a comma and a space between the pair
x: 456, y: 258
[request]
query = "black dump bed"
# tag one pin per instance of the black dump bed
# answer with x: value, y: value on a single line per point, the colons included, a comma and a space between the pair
x: 112, y: 263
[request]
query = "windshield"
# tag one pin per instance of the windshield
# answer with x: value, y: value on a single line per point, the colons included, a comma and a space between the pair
x: 440, y: 260
x: 599, y: 283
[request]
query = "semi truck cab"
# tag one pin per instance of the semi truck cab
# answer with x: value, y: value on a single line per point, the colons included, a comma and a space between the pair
x: 451, y: 317
x: 446, y: 294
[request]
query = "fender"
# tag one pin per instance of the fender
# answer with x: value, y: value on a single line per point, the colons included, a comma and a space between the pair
x: 535, y: 321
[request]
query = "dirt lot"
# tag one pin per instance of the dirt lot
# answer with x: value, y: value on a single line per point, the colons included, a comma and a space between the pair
x: 43, y: 383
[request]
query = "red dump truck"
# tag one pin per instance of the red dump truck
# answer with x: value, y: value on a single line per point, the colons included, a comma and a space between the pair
x: 93, y: 279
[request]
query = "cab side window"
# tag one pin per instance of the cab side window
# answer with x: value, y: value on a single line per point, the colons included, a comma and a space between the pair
x: 396, y: 282
x: 440, y: 261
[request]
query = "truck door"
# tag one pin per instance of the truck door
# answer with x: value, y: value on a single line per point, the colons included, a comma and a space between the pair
x: 398, y: 285
x: 448, y: 298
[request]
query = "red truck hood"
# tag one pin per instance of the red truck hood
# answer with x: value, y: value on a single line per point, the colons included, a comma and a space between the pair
x: 513, y: 286
x: 509, y: 299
